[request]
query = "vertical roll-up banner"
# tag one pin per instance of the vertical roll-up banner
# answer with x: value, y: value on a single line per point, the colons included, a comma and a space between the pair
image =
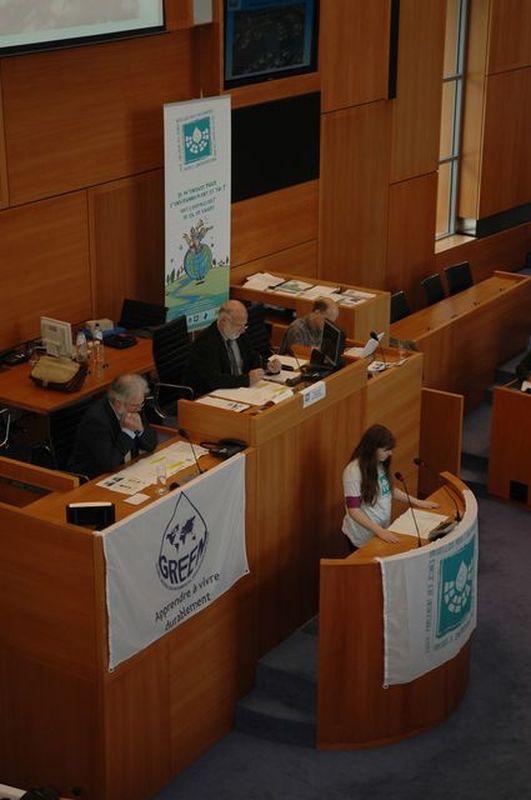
x: 197, y: 163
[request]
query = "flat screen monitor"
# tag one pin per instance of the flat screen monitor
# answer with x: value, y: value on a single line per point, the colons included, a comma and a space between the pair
x: 30, y: 25
x: 57, y: 337
x: 332, y: 344
x: 267, y: 39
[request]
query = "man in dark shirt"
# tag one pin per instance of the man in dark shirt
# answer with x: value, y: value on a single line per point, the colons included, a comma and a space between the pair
x: 223, y: 356
x: 113, y: 429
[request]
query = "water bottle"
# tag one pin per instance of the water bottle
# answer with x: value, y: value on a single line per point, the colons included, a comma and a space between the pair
x: 81, y: 347
x: 99, y: 356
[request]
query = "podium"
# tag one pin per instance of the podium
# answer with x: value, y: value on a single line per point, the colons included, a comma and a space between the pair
x: 354, y: 708
x: 510, y: 444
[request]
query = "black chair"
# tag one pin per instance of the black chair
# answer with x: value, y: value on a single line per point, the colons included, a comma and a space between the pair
x: 458, y: 278
x: 258, y: 330
x: 433, y: 289
x: 171, y: 349
x: 5, y: 428
x: 62, y: 430
x: 136, y: 315
x: 399, y: 306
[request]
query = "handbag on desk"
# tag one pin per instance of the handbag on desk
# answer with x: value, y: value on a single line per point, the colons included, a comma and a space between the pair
x: 59, y: 374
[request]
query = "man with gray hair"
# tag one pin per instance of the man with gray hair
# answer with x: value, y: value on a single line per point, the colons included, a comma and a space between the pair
x: 223, y: 356
x: 113, y: 429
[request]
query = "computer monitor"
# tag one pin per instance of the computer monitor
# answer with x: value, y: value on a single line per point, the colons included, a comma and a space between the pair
x: 332, y: 344
x: 57, y: 337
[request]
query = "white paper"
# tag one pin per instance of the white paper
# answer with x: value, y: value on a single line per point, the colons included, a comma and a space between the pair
x: 258, y: 395
x: 426, y: 521
x: 291, y: 361
x: 293, y: 287
x: 320, y: 291
x: 358, y: 295
x: 262, y: 281
x: 137, y: 499
x: 218, y: 402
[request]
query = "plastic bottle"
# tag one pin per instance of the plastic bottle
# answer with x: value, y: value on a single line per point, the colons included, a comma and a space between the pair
x: 99, y: 355
x: 81, y: 347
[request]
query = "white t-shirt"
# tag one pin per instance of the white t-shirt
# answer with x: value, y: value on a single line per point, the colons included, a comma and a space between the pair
x: 380, y: 512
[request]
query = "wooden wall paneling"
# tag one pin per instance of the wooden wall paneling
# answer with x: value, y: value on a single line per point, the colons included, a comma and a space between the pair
x: 274, y: 222
x: 178, y: 14
x: 441, y: 428
x: 510, y: 35
x: 417, y: 107
x: 4, y: 189
x: 44, y: 265
x: 354, y: 195
x: 510, y: 439
x: 300, y: 260
x: 354, y: 52
x: 473, y: 109
x: 127, y: 242
x: 505, y: 250
x: 411, y: 236
x: 506, y: 170
x: 99, y: 110
x: 208, y: 47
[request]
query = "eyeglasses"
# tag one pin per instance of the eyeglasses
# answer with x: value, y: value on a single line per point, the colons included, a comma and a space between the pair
x: 135, y: 407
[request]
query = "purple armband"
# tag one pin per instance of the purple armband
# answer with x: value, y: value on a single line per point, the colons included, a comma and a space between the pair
x: 353, y: 502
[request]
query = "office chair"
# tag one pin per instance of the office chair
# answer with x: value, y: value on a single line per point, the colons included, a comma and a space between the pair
x: 458, y: 278
x: 171, y: 348
x: 433, y: 289
x: 136, y: 315
x: 258, y: 330
x: 62, y: 430
x: 5, y: 427
x: 399, y: 306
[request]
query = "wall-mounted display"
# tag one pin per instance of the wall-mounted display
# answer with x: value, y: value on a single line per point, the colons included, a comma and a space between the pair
x: 266, y: 39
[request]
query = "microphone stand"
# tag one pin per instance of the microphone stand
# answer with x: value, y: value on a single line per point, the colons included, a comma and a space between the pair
x: 420, y: 463
x: 400, y: 477
x: 182, y: 432
x: 376, y: 338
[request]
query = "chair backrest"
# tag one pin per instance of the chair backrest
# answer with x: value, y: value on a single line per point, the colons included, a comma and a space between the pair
x: 171, y: 348
x: 62, y: 430
x: 399, y: 306
x: 458, y: 277
x: 433, y: 289
x: 138, y: 314
x: 257, y: 329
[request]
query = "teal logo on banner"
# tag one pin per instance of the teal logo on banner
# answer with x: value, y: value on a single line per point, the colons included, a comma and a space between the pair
x: 455, y: 589
x: 197, y: 136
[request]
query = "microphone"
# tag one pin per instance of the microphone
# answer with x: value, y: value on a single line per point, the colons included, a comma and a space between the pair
x: 376, y: 338
x: 400, y: 477
x: 420, y: 463
x: 182, y: 432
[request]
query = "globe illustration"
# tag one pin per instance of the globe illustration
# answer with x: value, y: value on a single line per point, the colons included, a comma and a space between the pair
x: 198, y: 262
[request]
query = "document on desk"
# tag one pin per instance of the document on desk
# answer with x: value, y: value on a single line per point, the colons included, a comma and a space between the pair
x: 293, y: 287
x: 142, y: 473
x: 321, y: 291
x: 290, y: 362
x: 426, y: 521
x: 258, y: 395
x: 218, y: 402
x: 262, y: 281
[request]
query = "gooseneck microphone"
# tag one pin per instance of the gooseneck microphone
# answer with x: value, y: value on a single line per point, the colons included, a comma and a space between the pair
x: 376, y: 338
x: 400, y: 477
x: 420, y: 463
x: 182, y: 432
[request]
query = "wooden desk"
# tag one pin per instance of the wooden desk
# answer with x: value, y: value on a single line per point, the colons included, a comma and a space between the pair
x: 510, y: 444
x: 354, y: 709
x: 66, y: 720
x: 355, y: 321
x: 465, y: 337
x: 18, y: 390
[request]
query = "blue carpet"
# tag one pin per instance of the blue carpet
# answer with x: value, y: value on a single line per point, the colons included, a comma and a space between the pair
x: 480, y: 753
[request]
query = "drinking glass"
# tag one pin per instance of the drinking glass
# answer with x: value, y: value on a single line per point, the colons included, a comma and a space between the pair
x: 161, y: 478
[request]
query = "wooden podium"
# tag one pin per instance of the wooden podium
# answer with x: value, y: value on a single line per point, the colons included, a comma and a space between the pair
x: 354, y: 709
x: 510, y: 444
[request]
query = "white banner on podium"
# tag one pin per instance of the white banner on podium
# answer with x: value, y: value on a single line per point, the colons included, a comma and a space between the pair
x: 430, y: 600
x: 174, y: 558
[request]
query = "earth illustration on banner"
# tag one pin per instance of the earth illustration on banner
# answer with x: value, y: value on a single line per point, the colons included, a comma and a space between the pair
x: 198, y: 258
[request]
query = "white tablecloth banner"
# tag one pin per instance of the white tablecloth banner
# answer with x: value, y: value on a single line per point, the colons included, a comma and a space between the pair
x: 174, y: 558
x: 430, y: 598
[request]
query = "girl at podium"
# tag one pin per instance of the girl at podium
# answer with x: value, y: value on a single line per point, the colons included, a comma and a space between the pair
x: 368, y: 489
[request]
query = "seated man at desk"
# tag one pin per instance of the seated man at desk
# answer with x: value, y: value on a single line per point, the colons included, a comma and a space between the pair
x: 223, y: 356
x: 113, y: 429
x: 307, y: 330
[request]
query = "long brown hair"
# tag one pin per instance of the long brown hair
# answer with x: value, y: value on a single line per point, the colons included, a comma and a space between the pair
x: 374, y: 438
